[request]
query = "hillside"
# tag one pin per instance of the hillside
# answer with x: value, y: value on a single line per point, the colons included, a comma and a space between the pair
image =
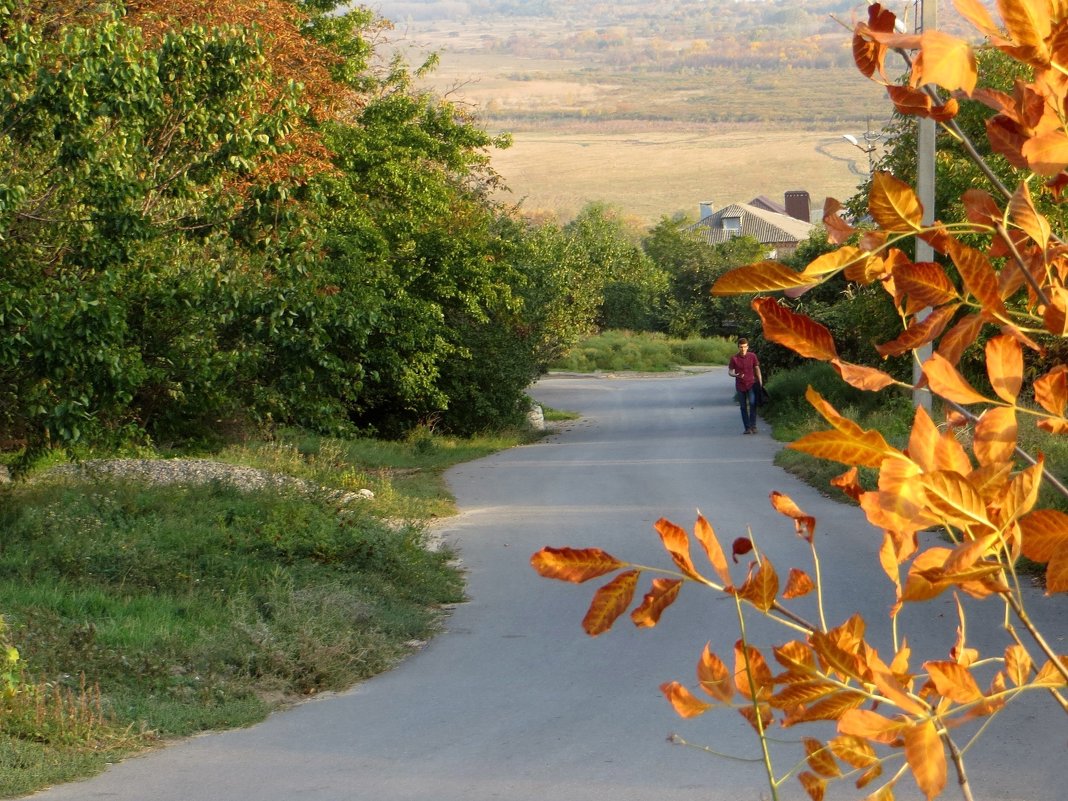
x: 652, y: 108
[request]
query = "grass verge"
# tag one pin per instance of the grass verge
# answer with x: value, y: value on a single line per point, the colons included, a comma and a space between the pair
x: 889, y: 413
x: 643, y: 352
x: 141, y: 612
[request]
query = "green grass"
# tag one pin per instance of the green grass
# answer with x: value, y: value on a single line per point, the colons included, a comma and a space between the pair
x: 145, y: 612
x: 644, y: 352
x: 890, y: 413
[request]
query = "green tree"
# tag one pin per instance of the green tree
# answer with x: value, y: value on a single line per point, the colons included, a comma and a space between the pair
x: 631, y: 285
x: 692, y: 266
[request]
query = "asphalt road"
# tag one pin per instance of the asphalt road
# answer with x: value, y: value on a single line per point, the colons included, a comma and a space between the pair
x: 515, y: 702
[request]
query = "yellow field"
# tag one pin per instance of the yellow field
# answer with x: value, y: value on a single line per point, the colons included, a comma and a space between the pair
x: 573, y: 143
x: 650, y: 174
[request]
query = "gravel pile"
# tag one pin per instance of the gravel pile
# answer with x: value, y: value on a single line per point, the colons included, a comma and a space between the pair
x: 194, y: 471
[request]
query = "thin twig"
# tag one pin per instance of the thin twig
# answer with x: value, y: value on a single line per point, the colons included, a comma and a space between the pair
x: 958, y: 764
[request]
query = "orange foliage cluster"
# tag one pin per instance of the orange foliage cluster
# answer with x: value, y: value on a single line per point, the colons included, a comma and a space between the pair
x: 984, y: 500
x: 289, y: 54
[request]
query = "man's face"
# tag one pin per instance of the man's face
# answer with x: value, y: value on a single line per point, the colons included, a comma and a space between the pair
x: 743, y: 348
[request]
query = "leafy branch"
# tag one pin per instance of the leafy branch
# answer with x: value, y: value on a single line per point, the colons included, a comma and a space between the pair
x: 1003, y: 267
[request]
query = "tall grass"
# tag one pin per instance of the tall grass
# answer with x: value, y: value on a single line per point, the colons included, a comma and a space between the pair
x: 645, y: 352
x: 145, y: 611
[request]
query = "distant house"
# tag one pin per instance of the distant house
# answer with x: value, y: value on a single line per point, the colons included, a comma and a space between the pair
x: 780, y: 228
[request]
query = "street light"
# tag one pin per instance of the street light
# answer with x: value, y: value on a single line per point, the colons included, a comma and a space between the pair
x: 869, y: 146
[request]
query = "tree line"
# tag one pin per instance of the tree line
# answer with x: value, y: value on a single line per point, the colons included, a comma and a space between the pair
x: 206, y: 223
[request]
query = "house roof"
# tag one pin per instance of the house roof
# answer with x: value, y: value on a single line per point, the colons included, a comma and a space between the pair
x: 764, y: 226
x: 765, y: 202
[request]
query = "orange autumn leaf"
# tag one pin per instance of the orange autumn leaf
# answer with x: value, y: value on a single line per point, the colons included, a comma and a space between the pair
x: 995, y: 435
x: 761, y: 588
x: 1055, y: 313
x: 871, y: 726
x: 909, y: 100
x: 954, y: 681
x: 574, y: 564
x: 919, y: 332
x: 849, y: 483
x: 947, y: 382
x: 795, y: 331
x: 893, y: 204
x: 870, y: 379
x: 1057, y: 572
x: 1004, y: 365
x: 952, y: 495
x: 767, y: 716
x: 890, y: 686
x: 926, y: 283
x: 976, y: 13
x: 820, y: 758
x: 714, y: 677
x: 955, y: 341
x: 1058, y: 426
x: 834, y: 657
x: 869, y: 54
x: 830, y: 708
x: 946, y: 61
x: 924, y: 582
x: 832, y: 262
x: 1046, y: 154
x: 926, y: 757
x: 978, y: 276
x: 609, y: 602
x: 838, y: 230
x: 677, y: 543
x: 965, y: 554
x: 798, y: 584
x: 814, y: 786
x: 707, y: 537
x: 796, y: 657
x: 764, y: 276
x: 805, y: 525
x: 750, y: 666
x: 871, y: 268
x: 1051, y: 390
x: 923, y: 439
x: 1049, y: 675
x: 1044, y: 532
x: 1019, y: 495
x: 853, y: 751
x: 867, y: 449
x: 980, y: 208
x: 802, y: 693
x: 662, y: 595
x: 1018, y: 664
x: 1028, y: 24
x: 685, y: 703
x: 1025, y: 216
x: 950, y: 454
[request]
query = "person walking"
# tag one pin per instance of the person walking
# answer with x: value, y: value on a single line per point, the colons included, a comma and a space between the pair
x: 744, y: 368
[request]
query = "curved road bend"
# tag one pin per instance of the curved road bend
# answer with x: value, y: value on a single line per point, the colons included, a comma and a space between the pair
x: 514, y: 702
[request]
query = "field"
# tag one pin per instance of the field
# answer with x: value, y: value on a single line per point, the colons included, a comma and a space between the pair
x: 648, y: 174
x: 652, y: 142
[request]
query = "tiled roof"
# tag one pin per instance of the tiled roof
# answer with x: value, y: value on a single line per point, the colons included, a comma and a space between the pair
x: 764, y: 226
x: 765, y: 202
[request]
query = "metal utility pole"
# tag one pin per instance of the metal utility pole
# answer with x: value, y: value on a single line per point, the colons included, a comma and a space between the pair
x: 925, y: 191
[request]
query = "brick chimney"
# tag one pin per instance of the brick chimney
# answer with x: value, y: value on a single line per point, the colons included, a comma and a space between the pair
x: 797, y: 205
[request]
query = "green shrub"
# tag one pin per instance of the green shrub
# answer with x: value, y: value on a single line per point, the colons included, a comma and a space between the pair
x: 648, y: 352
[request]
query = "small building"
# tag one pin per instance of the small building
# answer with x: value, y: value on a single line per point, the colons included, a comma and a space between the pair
x: 780, y: 228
